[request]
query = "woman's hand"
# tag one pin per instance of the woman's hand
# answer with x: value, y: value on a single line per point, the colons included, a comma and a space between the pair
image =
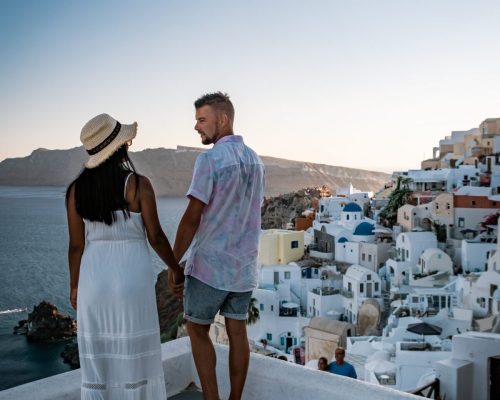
x: 72, y: 297
x: 176, y: 281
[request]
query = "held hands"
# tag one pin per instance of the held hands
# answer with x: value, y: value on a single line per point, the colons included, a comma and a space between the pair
x: 72, y: 297
x: 176, y: 281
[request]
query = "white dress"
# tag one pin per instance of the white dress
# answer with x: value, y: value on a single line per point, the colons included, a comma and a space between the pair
x: 118, y: 328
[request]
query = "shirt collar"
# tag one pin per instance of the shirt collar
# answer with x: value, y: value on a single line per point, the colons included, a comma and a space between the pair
x: 229, y: 139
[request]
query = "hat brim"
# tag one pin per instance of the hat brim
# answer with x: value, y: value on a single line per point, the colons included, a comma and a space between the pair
x: 127, y: 133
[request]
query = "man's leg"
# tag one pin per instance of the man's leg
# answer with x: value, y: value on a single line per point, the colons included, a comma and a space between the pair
x: 204, y: 359
x: 239, y: 356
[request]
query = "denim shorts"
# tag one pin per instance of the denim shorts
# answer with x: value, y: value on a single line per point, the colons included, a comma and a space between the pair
x: 202, y: 302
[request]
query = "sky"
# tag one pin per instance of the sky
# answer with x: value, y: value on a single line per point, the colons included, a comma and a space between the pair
x: 363, y: 84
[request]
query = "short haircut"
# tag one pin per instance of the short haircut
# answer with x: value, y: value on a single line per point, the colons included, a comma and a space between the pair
x: 324, y: 359
x: 219, y: 101
x: 340, y: 349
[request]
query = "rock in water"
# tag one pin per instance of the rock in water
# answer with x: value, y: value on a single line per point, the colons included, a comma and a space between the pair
x: 46, y: 324
x: 21, y: 328
x: 70, y: 355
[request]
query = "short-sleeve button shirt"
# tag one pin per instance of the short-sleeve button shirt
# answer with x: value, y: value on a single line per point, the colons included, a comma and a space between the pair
x: 229, y: 179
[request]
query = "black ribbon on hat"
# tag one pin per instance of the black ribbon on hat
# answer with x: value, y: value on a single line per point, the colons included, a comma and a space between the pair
x: 106, y: 141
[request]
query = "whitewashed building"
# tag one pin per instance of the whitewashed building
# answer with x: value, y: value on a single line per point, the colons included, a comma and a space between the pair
x: 475, y: 254
x: 409, y: 247
x: 411, y: 217
x: 433, y: 269
x: 472, y: 370
x: 359, y: 284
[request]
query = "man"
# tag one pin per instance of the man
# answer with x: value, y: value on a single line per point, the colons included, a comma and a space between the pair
x: 341, y: 367
x: 222, y: 226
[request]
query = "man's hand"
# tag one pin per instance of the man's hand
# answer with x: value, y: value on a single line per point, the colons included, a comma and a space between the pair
x: 176, y: 282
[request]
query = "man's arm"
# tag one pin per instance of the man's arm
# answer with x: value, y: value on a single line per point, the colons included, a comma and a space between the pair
x: 188, y: 226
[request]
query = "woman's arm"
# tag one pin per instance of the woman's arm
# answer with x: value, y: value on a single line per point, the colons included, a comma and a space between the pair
x: 76, y: 229
x: 156, y: 237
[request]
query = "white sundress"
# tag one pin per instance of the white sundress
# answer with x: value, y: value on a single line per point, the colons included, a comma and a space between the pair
x: 118, y: 328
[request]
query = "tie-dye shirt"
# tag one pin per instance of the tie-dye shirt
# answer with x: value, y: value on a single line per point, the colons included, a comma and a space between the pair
x: 229, y: 179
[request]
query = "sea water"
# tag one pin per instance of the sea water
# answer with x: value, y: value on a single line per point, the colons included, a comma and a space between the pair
x: 34, y: 267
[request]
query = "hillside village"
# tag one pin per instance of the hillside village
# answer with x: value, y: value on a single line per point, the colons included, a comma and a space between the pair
x: 406, y: 279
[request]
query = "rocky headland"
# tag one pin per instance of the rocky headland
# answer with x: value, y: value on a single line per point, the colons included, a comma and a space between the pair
x: 280, y: 210
x: 170, y: 171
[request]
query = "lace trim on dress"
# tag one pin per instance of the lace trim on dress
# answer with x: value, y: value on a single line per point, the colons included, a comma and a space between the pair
x: 94, y: 386
x: 136, y: 385
x: 128, y: 385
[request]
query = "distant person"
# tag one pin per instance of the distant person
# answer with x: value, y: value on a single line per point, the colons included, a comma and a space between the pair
x: 323, y: 364
x: 341, y: 367
x: 111, y: 209
x: 222, y: 225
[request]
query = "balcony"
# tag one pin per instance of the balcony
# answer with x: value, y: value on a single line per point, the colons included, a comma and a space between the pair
x: 268, y: 378
x: 347, y: 293
x: 326, y: 291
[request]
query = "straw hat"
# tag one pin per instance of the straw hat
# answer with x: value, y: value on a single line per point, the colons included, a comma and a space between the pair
x: 102, y: 136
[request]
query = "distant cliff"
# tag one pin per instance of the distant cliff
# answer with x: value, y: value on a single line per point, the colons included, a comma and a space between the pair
x: 170, y: 171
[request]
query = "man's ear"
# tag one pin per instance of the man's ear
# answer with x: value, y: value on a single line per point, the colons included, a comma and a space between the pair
x: 223, y: 119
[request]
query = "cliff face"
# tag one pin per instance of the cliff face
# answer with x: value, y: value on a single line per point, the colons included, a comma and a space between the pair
x: 170, y: 171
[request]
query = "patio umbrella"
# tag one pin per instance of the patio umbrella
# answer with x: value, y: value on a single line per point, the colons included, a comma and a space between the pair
x: 424, y: 328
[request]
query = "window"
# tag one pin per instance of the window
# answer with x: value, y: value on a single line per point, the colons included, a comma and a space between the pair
x: 407, y: 253
x: 448, y: 206
x: 461, y: 222
x: 272, y: 308
x: 369, y: 277
x: 314, y: 302
x: 376, y: 286
x: 287, y: 274
x: 349, y: 286
x: 294, y: 244
x: 363, y: 257
x: 347, y: 217
x: 473, y: 202
x: 282, y: 341
x: 369, y: 258
x: 361, y: 287
x: 269, y: 336
x: 261, y: 307
x: 437, y: 206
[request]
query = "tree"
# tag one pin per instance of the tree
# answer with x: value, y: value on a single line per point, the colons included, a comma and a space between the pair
x: 398, y: 198
x: 253, y: 312
x: 440, y: 231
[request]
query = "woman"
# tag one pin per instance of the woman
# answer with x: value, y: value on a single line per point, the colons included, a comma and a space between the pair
x: 323, y: 364
x: 110, y: 210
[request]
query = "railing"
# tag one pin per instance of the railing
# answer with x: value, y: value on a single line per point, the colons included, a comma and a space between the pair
x: 327, y: 291
x: 267, y: 379
x: 347, y: 293
x: 430, y: 391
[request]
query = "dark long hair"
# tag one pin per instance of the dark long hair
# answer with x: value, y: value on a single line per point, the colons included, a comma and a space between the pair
x: 99, y: 192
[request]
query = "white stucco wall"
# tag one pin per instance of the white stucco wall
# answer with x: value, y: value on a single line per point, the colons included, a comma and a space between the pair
x: 474, y: 255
